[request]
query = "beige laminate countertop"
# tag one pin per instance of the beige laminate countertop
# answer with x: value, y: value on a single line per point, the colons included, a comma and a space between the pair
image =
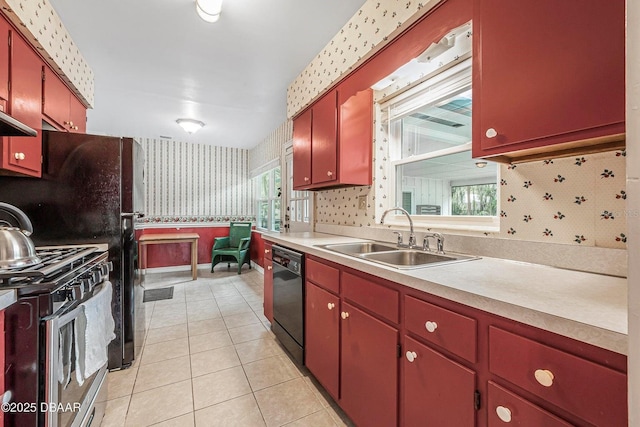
x: 588, y: 307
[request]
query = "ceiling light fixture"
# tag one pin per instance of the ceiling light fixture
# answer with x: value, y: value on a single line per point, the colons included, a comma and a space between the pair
x: 190, y: 125
x: 481, y: 164
x: 209, y: 10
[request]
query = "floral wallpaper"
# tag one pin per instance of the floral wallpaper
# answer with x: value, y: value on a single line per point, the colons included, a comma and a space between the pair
x: 577, y: 200
x: 40, y: 24
x: 365, y: 33
x: 195, y: 183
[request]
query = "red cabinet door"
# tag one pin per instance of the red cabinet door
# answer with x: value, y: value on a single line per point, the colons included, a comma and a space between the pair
x: 506, y: 407
x: 4, y: 62
x: 369, y: 369
x: 268, y: 289
x: 55, y: 104
x: 324, y: 133
x: 322, y: 342
x: 77, y: 115
x: 436, y: 391
x: 302, y: 150
x: 356, y: 138
x: 24, y: 154
x: 546, y: 72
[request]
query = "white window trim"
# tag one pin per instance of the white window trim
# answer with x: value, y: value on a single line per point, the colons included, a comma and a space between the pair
x: 451, y: 222
x: 269, y: 199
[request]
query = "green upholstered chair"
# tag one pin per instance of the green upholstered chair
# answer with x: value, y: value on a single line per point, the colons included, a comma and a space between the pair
x: 234, y: 247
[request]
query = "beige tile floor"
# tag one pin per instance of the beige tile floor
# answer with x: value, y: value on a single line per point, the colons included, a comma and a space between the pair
x: 209, y: 359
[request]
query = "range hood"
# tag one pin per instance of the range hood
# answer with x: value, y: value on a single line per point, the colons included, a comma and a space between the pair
x: 11, y: 127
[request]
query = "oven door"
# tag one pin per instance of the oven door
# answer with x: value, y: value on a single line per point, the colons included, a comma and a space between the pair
x: 67, y: 403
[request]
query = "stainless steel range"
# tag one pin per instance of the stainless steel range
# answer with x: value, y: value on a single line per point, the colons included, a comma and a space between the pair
x: 45, y: 379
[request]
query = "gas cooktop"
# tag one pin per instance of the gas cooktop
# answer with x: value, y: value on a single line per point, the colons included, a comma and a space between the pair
x: 57, y: 264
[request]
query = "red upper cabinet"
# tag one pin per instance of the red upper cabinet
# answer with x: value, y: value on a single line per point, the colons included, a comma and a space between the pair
x: 356, y: 137
x: 333, y: 140
x: 77, y: 115
x: 4, y: 63
x: 24, y: 154
x: 302, y: 150
x: 60, y: 105
x: 549, y: 78
x: 324, y: 140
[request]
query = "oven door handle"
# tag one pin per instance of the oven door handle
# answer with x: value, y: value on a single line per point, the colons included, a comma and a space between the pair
x: 71, y: 313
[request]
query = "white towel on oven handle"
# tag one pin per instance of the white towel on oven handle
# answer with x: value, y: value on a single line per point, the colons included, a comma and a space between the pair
x: 94, y: 331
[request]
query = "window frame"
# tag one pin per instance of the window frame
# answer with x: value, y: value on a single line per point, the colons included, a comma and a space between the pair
x: 273, y: 196
x: 447, y: 82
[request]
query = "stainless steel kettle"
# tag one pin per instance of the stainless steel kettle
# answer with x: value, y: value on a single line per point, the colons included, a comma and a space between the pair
x: 16, y: 248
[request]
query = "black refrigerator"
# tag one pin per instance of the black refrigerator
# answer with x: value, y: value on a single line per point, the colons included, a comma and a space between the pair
x: 91, y: 191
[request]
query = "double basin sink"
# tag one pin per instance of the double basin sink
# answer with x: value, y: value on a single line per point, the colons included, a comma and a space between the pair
x: 396, y: 257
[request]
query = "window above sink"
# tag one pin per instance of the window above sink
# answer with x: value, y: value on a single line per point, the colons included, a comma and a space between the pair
x: 426, y: 123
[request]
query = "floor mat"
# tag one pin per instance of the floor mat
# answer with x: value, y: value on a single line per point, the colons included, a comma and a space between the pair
x: 158, y: 294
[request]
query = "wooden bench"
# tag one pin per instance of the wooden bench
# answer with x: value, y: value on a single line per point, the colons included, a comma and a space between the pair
x: 157, y: 239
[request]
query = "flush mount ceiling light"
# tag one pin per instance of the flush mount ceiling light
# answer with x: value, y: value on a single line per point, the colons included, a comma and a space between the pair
x: 190, y: 125
x: 209, y: 10
x: 481, y: 164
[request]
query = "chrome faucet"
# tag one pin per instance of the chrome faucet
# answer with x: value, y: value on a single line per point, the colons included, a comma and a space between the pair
x: 439, y: 242
x: 412, y: 236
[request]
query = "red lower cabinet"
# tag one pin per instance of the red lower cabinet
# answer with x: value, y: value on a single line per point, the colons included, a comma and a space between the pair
x: 436, y: 391
x: 322, y: 337
x: 268, y: 289
x: 369, y: 369
x: 505, y: 407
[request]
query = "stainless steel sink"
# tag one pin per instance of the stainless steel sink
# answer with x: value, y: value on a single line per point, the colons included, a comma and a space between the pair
x: 414, y: 258
x: 359, y: 248
x: 395, y: 257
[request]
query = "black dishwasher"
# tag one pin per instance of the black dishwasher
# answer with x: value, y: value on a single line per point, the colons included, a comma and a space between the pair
x: 288, y: 300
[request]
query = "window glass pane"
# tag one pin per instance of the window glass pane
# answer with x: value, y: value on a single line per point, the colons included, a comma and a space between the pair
x: 263, y: 214
x: 264, y: 185
x: 276, y: 215
x: 435, y: 126
x: 277, y: 182
x: 448, y: 185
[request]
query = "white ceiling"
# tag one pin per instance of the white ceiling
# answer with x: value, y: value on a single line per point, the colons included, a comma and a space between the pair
x: 156, y: 61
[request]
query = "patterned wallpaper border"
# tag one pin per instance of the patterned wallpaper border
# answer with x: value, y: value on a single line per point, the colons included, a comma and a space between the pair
x: 194, y: 219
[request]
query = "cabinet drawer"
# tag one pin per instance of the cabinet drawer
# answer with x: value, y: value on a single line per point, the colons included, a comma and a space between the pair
x: 506, y: 407
x: 323, y: 275
x: 377, y: 298
x: 588, y: 390
x: 451, y: 331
